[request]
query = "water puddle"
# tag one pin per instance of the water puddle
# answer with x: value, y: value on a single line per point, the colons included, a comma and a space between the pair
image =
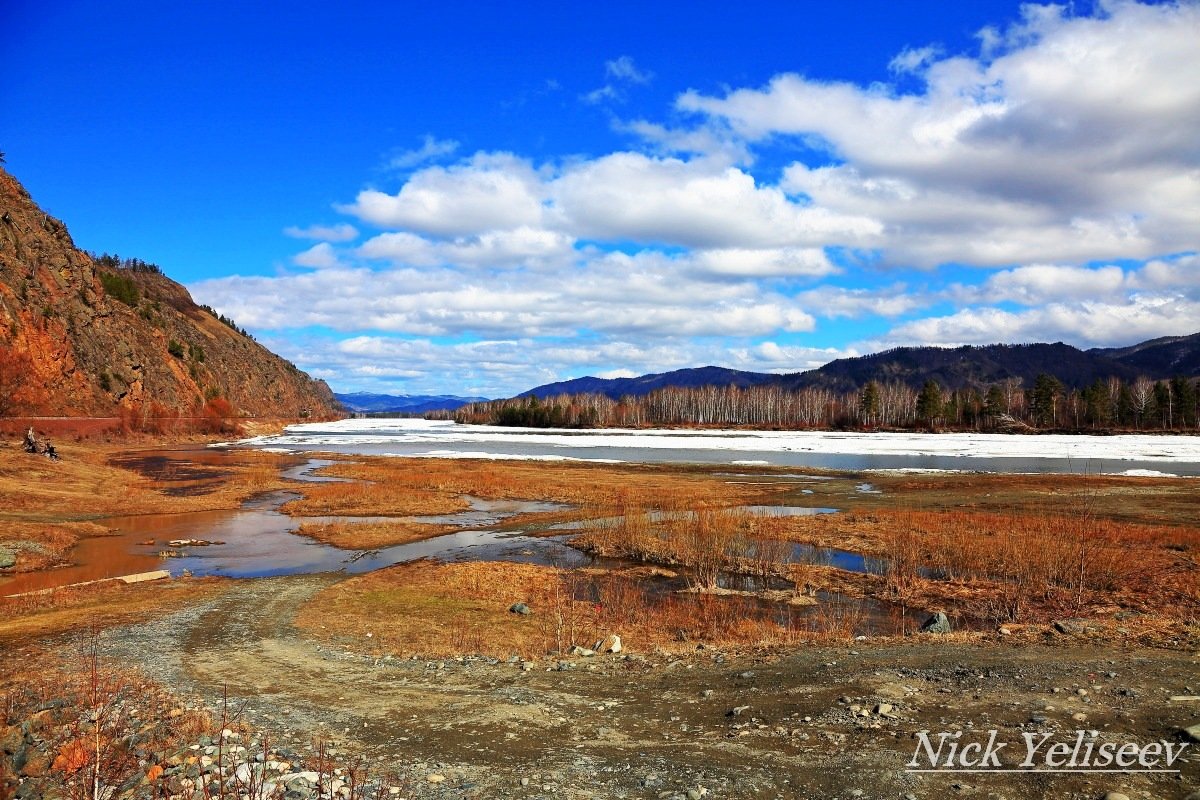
x: 258, y: 540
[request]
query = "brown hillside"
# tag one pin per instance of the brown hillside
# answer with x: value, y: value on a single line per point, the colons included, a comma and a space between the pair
x: 90, y: 353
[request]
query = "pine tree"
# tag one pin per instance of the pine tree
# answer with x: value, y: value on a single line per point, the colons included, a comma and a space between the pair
x: 929, y: 403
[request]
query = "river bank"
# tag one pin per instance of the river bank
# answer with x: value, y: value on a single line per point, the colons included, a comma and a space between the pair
x: 422, y: 667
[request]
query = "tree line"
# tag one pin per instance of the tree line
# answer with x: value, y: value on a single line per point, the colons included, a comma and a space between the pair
x: 1103, y: 405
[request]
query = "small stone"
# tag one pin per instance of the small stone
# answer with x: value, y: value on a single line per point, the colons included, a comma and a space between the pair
x: 883, y: 709
x: 434, y: 777
x: 1079, y: 716
x: 1115, y: 796
x: 1070, y: 626
x: 520, y: 608
x: 524, y: 781
x: 1192, y: 732
x: 737, y: 711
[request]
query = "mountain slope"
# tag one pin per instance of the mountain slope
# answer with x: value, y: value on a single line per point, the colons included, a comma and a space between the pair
x: 1168, y: 356
x: 644, y: 384
x: 370, y: 403
x: 953, y: 368
x: 958, y: 367
x: 94, y: 337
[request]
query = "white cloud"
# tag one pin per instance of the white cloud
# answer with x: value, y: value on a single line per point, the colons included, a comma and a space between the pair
x: 431, y: 149
x: 612, y: 295
x: 912, y: 59
x: 766, y: 263
x: 1062, y: 156
x: 1087, y: 324
x: 319, y: 256
x: 1072, y: 140
x: 605, y: 93
x: 486, y: 192
x: 532, y: 248
x: 1043, y: 283
x: 341, y: 232
x: 623, y: 68
x: 832, y: 302
x: 630, y: 196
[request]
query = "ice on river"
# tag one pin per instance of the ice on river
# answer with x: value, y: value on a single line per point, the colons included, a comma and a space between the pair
x: 432, y: 438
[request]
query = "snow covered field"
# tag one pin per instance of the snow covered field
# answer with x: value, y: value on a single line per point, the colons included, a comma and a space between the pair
x: 1134, y: 454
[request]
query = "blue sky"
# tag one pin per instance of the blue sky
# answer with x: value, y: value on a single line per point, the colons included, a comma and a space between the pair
x: 473, y: 199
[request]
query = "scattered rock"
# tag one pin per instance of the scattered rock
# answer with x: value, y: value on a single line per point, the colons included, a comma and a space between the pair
x: 609, y: 644
x: 1192, y: 732
x: 1115, y: 796
x: 520, y: 608
x: 737, y: 711
x: 7, y: 558
x: 435, y: 777
x: 1070, y: 627
x: 938, y: 623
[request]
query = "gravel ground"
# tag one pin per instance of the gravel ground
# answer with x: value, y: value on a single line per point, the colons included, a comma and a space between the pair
x: 809, y: 722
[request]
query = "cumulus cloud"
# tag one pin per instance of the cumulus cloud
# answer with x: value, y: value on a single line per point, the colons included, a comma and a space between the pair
x: 532, y: 248
x: 1060, y: 160
x: 1093, y: 324
x: 486, y: 192
x: 617, y: 295
x: 1071, y: 139
x: 342, y: 232
x: 319, y: 256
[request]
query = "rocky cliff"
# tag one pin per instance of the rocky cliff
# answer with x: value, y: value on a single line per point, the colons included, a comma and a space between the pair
x: 91, y: 337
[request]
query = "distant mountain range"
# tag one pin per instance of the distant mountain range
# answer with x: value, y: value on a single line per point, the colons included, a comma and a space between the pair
x: 368, y: 403
x: 953, y: 368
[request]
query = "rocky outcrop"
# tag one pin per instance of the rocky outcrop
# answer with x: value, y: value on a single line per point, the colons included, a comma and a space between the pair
x: 99, y: 337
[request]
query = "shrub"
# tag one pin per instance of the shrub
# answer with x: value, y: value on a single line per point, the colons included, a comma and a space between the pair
x: 175, y: 348
x: 120, y: 287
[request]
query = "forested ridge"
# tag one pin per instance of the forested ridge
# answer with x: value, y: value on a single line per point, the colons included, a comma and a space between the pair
x: 1046, y: 403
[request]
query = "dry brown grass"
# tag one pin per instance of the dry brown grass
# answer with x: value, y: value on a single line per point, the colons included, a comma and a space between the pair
x: 1019, y: 566
x: 402, y: 487
x: 436, y: 610
x: 42, y: 545
x: 704, y: 541
x: 105, y: 605
x: 371, y: 535
x: 1167, y: 501
x: 84, y: 485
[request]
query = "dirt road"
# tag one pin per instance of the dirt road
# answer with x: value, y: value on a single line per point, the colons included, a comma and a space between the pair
x: 805, y: 723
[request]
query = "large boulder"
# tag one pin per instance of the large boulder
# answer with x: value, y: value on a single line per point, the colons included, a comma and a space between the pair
x: 938, y: 623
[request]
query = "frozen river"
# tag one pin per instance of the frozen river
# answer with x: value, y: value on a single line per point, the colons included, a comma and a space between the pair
x: 1132, y: 454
